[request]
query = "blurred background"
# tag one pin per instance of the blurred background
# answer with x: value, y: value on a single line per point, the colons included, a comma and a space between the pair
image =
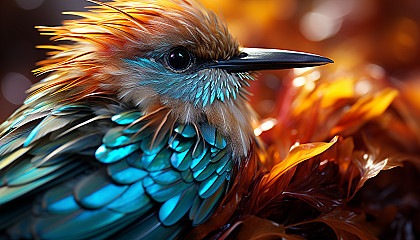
x: 379, y: 37
x: 18, y: 55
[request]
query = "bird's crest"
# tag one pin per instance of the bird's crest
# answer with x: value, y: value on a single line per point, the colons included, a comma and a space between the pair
x: 120, y: 27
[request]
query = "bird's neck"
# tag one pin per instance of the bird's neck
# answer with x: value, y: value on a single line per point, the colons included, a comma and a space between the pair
x: 235, y: 119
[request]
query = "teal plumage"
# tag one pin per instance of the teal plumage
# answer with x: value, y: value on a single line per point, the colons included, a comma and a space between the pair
x: 138, y: 128
x: 81, y: 196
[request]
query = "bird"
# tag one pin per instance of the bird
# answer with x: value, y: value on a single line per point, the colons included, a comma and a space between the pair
x: 139, y: 122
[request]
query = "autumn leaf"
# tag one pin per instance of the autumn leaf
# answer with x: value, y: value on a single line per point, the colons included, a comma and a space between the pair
x: 297, y: 155
x: 365, y: 109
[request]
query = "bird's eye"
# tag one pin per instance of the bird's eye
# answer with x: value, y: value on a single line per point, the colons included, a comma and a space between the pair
x: 179, y: 59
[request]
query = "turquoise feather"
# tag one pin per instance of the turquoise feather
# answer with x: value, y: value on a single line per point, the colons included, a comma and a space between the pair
x: 180, y: 144
x: 122, y: 173
x: 132, y: 200
x: 206, y: 207
x: 176, y: 207
x: 162, y: 193
x: 181, y: 161
x: 126, y: 117
x: 96, y: 191
x: 121, y: 187
x: 59, y: 201
x: 158, y: 161
x: 110, y: 155
x: 130, y: 178
x: 186, y: 130
x: 201, y: 161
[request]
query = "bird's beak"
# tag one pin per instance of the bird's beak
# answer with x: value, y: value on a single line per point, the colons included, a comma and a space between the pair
x: 254, y: 59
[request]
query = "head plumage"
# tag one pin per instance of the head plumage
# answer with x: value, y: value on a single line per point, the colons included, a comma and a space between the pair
x: 124, y: 29
x: 123, y: 26
x: 117, y: 51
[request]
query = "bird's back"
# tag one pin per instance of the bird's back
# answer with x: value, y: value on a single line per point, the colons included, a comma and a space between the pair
x: 89, y: 170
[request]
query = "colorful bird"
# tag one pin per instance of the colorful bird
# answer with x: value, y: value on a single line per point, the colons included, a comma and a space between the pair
x: 138, y: 126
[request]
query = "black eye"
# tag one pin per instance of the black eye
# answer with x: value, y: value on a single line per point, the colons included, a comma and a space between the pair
x: 179, y: 59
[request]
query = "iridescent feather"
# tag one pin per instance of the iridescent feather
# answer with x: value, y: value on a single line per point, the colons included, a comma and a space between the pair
x: 112, y: 144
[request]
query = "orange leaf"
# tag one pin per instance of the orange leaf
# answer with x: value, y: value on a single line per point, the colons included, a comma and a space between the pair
x: 334, y: 91
x: 365, y: 109
x: 297, y: 155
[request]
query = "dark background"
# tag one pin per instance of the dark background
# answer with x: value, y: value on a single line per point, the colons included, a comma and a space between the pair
x: 18, y: 55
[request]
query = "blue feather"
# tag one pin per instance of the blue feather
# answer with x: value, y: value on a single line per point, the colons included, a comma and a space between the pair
x: 206, y: 207
x: 174, y: 176
x: 158, y: 161
x: 210, y: 185
x: 181, y: 161
x: 122, y: 173
x: 176, y: 207
x: 162, y: 193
x: 96, y: 191
x: 126, y: 117
x: 201, y: 161
x: 60, y: 201
x: 132, y: 200
x: 110, y: 155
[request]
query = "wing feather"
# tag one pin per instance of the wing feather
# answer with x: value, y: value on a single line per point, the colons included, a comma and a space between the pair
x: 133, y: 175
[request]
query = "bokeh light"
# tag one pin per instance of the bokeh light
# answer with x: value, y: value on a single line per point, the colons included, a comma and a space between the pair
x: 316, y: 26
x: 13, y: 87
x: 29, y: 4
x: 19, y: 38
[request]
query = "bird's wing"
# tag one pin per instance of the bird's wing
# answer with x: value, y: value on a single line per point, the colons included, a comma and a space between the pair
x: 139, y: 181
x: 34, y: 151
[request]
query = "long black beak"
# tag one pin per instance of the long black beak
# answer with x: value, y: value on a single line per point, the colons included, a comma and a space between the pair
x: 254, y: 59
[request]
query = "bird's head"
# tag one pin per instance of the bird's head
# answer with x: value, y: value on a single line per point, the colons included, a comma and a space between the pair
x: 154, y: 53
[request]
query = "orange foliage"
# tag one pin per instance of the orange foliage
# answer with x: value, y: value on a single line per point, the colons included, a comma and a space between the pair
x: 305, y: 186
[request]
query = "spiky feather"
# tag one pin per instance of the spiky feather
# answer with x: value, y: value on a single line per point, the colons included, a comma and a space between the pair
x: 112, y: 140
x: 115, y: 41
